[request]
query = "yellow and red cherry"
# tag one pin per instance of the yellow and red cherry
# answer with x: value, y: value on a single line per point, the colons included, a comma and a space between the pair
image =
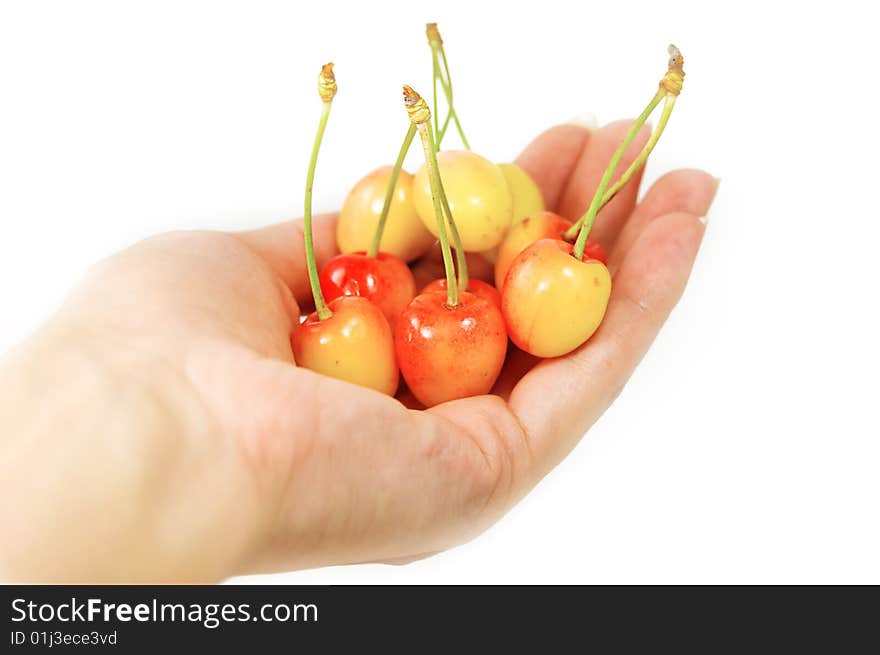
x: 349, y: 339
x: 354, y: 344
x: 541, y: 225
x: 446, y: 353
x: 478, y: 198
x: 385, y: 280
x: 479, y: 288
x: 551, y: 301
x: 524, y: 192
x: 404, y: 234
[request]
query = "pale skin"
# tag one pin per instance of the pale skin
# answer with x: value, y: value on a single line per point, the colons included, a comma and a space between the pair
x: 156, y: 428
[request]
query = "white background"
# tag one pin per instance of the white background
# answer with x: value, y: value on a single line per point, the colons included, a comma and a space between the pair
x: 745, y: 449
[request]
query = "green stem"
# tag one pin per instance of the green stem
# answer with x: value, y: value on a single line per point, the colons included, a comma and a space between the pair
x: 646, y: 151
x: 437, y: 53
x: 453, y: 115
x: 460, y: 256
x: 447, y: 81
x: 451, y: 104
x: 389, y: 192
x: 435, y: 74
x: 588, y: 218
x: 442, y: 132
x: 635, y: 166
x: 427, y: 137
x: 320, y: 304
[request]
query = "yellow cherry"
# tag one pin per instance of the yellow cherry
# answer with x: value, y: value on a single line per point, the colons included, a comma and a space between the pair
x: 404, y: 236
x: 552, y: 302
x: 354, y: 344
x: 537, y: 226
x: 478, y: 196
x: 526, y: 195
x: 522, y: 234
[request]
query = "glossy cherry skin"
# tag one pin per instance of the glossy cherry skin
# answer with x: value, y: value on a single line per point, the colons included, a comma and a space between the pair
x: 385, y: 280
x: 540, y: 225
x: 525, y: 195
x: 404, y: 235
x: 524, y: 192
x: 478, y: 196
x: 477, y: 287
x: 355, y: 345
x: 552, y: 303
x: 446, y: 354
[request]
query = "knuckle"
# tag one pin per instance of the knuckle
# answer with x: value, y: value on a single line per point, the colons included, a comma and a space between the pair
x: 503, y: 456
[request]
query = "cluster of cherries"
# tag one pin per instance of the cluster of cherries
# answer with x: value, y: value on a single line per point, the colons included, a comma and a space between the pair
x: 450, y: 340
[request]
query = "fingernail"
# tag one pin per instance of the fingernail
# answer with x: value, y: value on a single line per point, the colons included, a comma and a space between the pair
x: 586, y: 120
x: 703, y: 219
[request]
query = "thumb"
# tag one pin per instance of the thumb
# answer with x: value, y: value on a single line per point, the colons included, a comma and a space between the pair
x: 282, y: 246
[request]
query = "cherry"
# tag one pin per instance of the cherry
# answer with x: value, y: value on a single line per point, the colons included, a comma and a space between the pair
x: 449, y: 345
x: 554, y: 296
x: 541, y: 225
x: 478, y: 198
x: 349, y: 339
x: 354, y: 344
x: 524, y: 192
x: 479, y: 288
x: 526, y: 197
x: 446, y: 352
x: 384, y: 279
x: 552, y: 301
x: 404, y: 234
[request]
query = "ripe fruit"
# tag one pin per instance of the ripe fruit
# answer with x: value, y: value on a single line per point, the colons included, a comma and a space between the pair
x: 385, y: 280
x: 354, y: 344
x: 541, y: 225
x: 476, y: 287
x: 404, y: 234
x: 451, y: 340
x: 448, y: 353
x: 349, y: 339
x: 552, y: 302
x: 478, y: 197
x: 525, y: 194
x: 449, y: 345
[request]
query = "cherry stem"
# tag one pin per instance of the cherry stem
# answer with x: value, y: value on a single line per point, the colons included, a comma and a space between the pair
x: 320, y: 304
x: 445, y: 126
x: 435, y: 74
x: 448, y: 87
x: 460, y: 256
x: 437, y: 195
x: 635, y: 166
x: 668, y: 105
x: 389, y: 192
x: 437, y: 52
x: 587, y: 219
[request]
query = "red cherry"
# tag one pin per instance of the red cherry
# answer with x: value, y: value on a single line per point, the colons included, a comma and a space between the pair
x: 448, y: 353
x: 477, y: 287
x: 592, y: 250
x: 385, y: 280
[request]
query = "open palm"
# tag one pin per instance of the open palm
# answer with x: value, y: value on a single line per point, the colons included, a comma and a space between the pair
x: 286, y: 468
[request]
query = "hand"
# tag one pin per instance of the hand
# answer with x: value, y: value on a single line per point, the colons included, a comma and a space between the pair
x: 156, y: 429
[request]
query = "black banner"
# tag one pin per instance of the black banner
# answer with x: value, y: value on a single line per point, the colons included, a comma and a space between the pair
x: 413, y: 619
